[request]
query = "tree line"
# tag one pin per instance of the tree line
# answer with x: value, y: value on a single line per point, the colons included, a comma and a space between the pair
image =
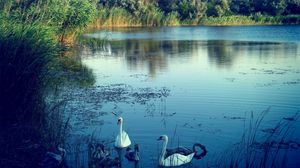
x: 197, y: 9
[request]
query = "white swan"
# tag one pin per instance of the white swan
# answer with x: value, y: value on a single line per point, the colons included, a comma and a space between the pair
x: 176, y: 158
x: 122, y: 139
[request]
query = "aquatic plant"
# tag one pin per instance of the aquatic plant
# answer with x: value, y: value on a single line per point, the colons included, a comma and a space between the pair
x: 260, y: 147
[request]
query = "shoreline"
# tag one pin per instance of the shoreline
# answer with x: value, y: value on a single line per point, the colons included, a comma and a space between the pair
x: 91, y: 28
x: 210, y: 21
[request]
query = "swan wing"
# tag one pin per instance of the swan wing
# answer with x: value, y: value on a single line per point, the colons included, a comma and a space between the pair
x: 118, y: 141
x: 181, y: 150
x: 177, y: 159
x: 125, y: 139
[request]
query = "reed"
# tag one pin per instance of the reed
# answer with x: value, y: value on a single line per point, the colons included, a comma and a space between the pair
x: 257, y: 148
x: 26, y: 52
x: 115, y: 17
x: 255, y: 19
x: 228, y: 20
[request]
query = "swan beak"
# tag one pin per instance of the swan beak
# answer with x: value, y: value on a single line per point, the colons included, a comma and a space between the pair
x: 119, y: 122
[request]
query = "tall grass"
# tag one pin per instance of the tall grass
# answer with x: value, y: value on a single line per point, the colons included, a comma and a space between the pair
x: 117, y: 17
x: 30, y: 60
x: 265, y: 19
x: 255, y: 19
x: 228, y: 20
x: 149, y: 15
x: 26, y: 52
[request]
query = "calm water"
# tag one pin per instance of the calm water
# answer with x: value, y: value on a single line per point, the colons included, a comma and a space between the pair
x: 194, y: 84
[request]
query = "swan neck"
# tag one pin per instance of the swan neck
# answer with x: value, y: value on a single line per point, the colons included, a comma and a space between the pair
x: 163, y: 152
x: 121, y: 128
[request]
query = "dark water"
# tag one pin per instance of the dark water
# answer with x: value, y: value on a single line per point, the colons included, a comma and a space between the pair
x: 194, y: 84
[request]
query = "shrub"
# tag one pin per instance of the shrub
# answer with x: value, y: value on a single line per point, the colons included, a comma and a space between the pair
x: 151, y: 15
x: 171, y: 19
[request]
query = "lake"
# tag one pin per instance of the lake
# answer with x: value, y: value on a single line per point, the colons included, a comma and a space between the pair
x: 196, y: 84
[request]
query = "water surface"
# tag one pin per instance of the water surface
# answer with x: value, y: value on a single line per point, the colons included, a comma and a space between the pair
x: 194, y: 84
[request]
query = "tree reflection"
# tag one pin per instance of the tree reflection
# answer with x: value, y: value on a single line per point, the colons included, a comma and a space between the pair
x: 151, y: 54
x: 155, y: 55
x: 220, y: 53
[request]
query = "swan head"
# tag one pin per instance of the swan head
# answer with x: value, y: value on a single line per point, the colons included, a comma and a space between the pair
x: 120, y: 120
x: 163, y: 137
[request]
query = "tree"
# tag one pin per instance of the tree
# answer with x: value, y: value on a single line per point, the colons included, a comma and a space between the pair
x: 293, y: 7
x: 168, y: 6
x: 217, y: 7
x: 129, y: 5
x: 243, y: 7
x: 271, y: 7
x: 187, y: 9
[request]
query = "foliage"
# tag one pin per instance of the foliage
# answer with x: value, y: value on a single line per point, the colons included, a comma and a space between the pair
x: 115, y: 16
x: 293, y: 7
x: 151, y: 15
x: 228, y: 20
x: 271, y: 7
x: 79, y: 14
x: 30, y: 57
x: 171, y: 19
x: 187, y: 9
x: 217, y: 8
x: 129, y: 5
x: 67, y: 17
x: 181, y: 12
x: 242, y: 7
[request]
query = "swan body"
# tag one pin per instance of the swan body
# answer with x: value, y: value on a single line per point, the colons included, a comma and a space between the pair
x: 110, y: 162
x: 174, y: 157
x: 133, y: 155
x: 122, y: 139
x: 181, y: 150
x: 100, y: 153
